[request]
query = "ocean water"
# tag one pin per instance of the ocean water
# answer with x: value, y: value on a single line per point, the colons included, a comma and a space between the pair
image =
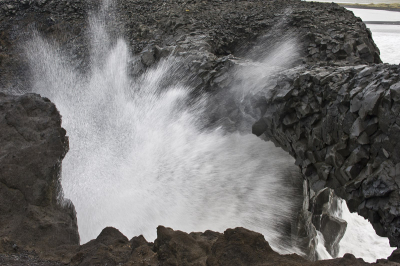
x: 375, y: 14
x: 386, y: 37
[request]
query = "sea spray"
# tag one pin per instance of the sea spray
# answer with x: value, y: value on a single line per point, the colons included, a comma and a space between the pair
x: 138, y: 157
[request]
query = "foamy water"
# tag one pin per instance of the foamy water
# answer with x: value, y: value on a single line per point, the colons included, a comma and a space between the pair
x: 387, y: 38
x: 360, y: 231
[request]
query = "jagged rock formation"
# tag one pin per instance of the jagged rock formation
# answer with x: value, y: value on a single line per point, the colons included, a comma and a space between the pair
x: 341, y: 126
x: 32, y: 146
x: 323, y: 206
x: 237, y: 246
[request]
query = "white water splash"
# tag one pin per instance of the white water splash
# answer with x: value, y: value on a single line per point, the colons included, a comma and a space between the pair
x: 360, y: 238
x: 138, y: 159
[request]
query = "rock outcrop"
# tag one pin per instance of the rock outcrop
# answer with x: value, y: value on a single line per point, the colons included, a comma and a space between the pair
x: 32, y: 146
x: 204, y: 31
x: 236, y: 246
x: 341, y: 126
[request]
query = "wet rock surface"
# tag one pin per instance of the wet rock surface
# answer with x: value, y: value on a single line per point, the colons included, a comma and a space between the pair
x: 340, y: 125
x: 324, y: 206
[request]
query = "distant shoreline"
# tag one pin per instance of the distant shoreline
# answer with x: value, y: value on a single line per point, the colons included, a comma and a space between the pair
x: 383, y: 22
x: 387, y: 7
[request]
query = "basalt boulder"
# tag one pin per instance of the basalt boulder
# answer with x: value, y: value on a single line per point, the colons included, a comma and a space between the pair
x: 33, y: 214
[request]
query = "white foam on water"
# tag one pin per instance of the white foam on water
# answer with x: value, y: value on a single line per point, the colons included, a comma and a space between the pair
x: 360, y: 238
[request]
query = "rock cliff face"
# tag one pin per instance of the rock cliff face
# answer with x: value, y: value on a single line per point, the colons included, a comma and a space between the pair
x: 32, y: 146
x: 340, y: 125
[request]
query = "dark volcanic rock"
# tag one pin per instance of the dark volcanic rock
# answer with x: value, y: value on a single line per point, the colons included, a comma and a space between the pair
x: 323, y: 207
x: 395, y: 256
x: 33, y: 214
x: 240, y: 246
x: 204, y: 31
x: 179, y: 248
x: 237, y: 246
x: 333, y: 229
x: 109, y: 248
x: 347, y: 139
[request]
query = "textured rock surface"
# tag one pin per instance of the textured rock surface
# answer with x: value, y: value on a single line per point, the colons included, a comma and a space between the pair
x: 341, y: 126
x: 32, y: 146
x: 205, y: 31
x: 324, y: 206
x: 237, y: 246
